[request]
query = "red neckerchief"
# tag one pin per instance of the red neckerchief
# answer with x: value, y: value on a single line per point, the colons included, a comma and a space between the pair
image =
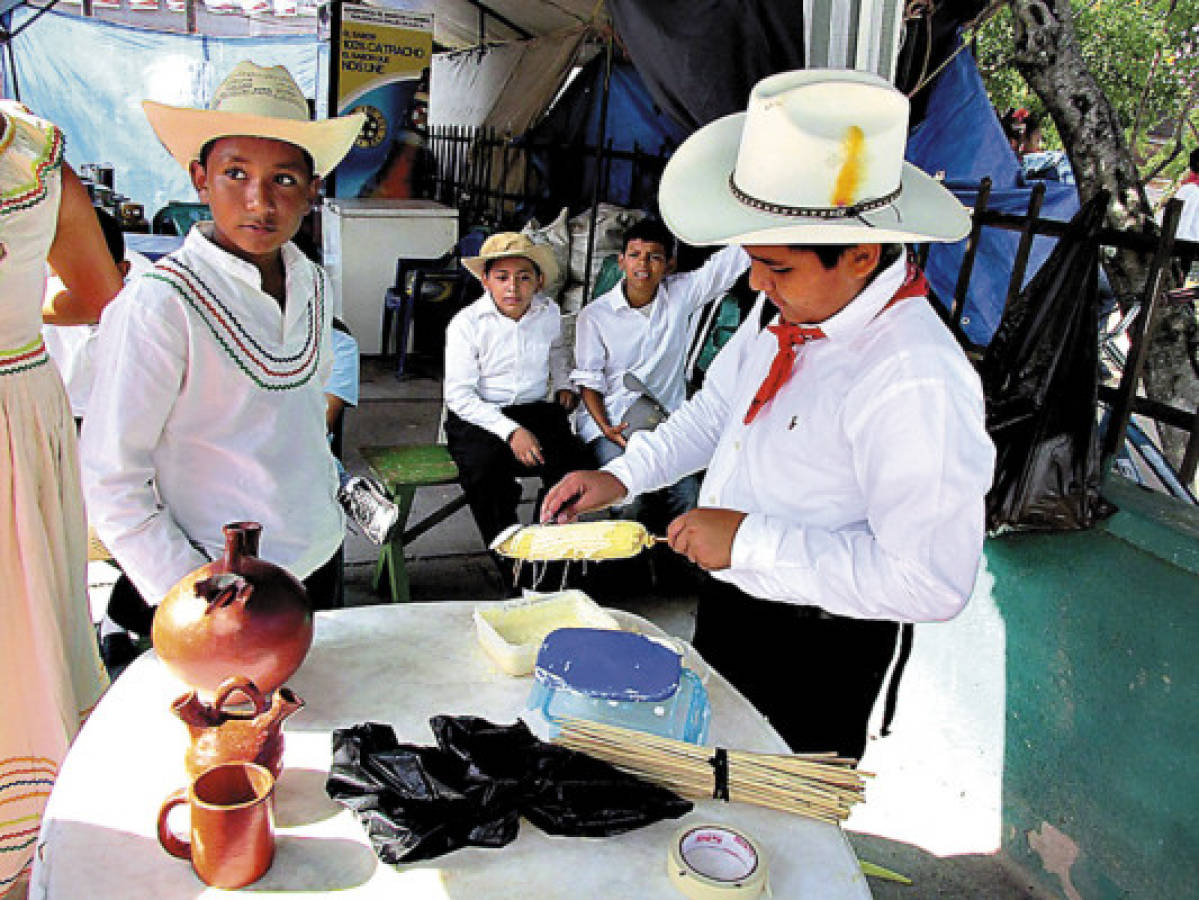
x: 792, y: 336
x: 1192, y: 178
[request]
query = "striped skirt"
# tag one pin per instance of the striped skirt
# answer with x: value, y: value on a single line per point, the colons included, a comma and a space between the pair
x: 50, y: 671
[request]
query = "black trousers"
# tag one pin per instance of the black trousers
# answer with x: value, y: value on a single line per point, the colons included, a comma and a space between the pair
x: 815, y: 676
x: 488, y: 471
x: 126, y: 606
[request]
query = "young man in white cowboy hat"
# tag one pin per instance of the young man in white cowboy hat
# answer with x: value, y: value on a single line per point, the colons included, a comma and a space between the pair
x: 208, y: 405
x: 842, y: 428
x: 503, y: 354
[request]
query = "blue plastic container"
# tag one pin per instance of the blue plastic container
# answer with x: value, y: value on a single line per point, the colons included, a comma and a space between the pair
x: 619, y: 678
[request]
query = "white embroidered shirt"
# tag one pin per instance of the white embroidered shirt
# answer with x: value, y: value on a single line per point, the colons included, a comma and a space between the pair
x: 207, y: 408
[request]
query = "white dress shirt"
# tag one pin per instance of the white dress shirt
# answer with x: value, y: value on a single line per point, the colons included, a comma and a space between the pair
x: 612, y: 338
x: 863, y: 479
x: 206, y: 409
x: 1188, y: 223
x: 492, y: 361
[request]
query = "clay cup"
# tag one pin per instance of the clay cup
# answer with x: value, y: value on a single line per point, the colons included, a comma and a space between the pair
x: 232, y: 824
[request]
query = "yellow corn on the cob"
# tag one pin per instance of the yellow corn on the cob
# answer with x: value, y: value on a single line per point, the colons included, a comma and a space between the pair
x: 579, y: 540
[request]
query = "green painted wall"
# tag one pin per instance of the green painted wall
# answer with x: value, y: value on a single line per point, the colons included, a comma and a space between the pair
x: 1101, y: 740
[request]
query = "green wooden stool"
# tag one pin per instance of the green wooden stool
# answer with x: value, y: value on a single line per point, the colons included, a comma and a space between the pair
x: 403, y: 468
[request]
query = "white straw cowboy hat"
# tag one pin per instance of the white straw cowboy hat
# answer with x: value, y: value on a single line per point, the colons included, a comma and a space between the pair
x: 254, y: 101
x: 816, y: 158
x: 508, y: 244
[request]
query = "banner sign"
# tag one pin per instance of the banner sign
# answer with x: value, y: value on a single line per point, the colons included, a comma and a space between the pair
x: 380, y: 66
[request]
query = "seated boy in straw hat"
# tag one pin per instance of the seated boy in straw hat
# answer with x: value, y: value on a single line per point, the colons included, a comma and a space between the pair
x: 503, y: 354
x: 842, y: 427
x: 208, y: 405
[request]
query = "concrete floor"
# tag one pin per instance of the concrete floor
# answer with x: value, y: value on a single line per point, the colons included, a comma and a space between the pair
x: 450, y: 563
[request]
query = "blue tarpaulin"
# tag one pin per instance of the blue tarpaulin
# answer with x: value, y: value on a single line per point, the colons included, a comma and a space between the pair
x: 90, y: 77
x: 961, y: 137
x: 633, y: 121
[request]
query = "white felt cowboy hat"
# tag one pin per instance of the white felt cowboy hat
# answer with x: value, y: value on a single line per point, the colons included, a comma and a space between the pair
x: 816, y: 158
x: 508, y: 244
x: 254, y: 101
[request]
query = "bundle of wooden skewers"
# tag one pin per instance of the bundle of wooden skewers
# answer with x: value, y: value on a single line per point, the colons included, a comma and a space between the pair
x: 819, y: 785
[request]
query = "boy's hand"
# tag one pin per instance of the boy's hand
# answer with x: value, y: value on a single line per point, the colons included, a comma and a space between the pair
x: 568, y: 399
x: 526, y: 448
x: 580, y: 492
x: 705, y: 536
x: 615, y: 433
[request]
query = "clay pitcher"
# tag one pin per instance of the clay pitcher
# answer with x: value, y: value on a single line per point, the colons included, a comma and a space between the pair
x: 239, y: 615
x: 220, y: 736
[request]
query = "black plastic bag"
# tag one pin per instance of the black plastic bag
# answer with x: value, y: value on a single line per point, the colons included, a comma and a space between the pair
x: 1041, y: 379
x: 471, y: 790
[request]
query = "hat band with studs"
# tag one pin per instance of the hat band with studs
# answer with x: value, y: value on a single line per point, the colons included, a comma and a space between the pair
x: 813, y: 212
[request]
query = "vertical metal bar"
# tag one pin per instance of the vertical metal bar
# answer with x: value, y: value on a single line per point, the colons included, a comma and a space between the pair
x: 334, y: 70
x: 599, y: 152
x: 819, y: 34
x: 12, y: 59
x: 1190, y: 459
x: 892, y: 28
x: 1134, y: 364
x: 853, y: 41
x: 457, y: 165
x: 527, y: 187
x: 1024, y: 248
x: 635, y: 176
x: 489, y: 162
x: 606, y: 194
x: 501, y: 212
x: 959, y: 292
x: 477, y: 183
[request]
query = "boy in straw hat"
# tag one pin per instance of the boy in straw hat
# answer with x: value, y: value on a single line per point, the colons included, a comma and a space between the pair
x: 208, y: 405
x: 841, y: 427
x: 503, y: 354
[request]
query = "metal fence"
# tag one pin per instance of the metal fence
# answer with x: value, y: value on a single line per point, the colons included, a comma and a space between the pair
x: 1161, y: 251
x: 495, y: 179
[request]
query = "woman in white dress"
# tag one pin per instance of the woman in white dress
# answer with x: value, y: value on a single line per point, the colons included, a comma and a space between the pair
x: 50, y: 672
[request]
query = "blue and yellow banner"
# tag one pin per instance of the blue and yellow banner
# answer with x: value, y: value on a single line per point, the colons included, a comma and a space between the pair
x: 380, y: 66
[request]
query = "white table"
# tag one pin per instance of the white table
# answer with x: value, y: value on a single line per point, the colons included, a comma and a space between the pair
x: 399, y: 665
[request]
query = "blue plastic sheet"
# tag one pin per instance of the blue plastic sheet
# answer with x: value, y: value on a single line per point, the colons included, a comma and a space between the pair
x: 633, y: 121
x: 961, y: 137
x: 90, y: 77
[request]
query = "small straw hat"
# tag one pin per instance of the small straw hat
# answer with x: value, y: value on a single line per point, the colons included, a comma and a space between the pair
x: 254, y: 101
x: 816, y: 158
x: 508, y: 244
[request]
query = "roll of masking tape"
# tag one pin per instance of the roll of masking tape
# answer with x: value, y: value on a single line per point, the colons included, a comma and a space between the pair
x: 715, y: 862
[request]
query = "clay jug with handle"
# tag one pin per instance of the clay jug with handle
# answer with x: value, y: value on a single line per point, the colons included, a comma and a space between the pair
x: 238, y: 615
x: 219, y: 735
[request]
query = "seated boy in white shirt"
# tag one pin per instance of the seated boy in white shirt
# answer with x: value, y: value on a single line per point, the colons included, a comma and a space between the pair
x: 502, y: 354
x: 642, y: 326
x: 208, y: 405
